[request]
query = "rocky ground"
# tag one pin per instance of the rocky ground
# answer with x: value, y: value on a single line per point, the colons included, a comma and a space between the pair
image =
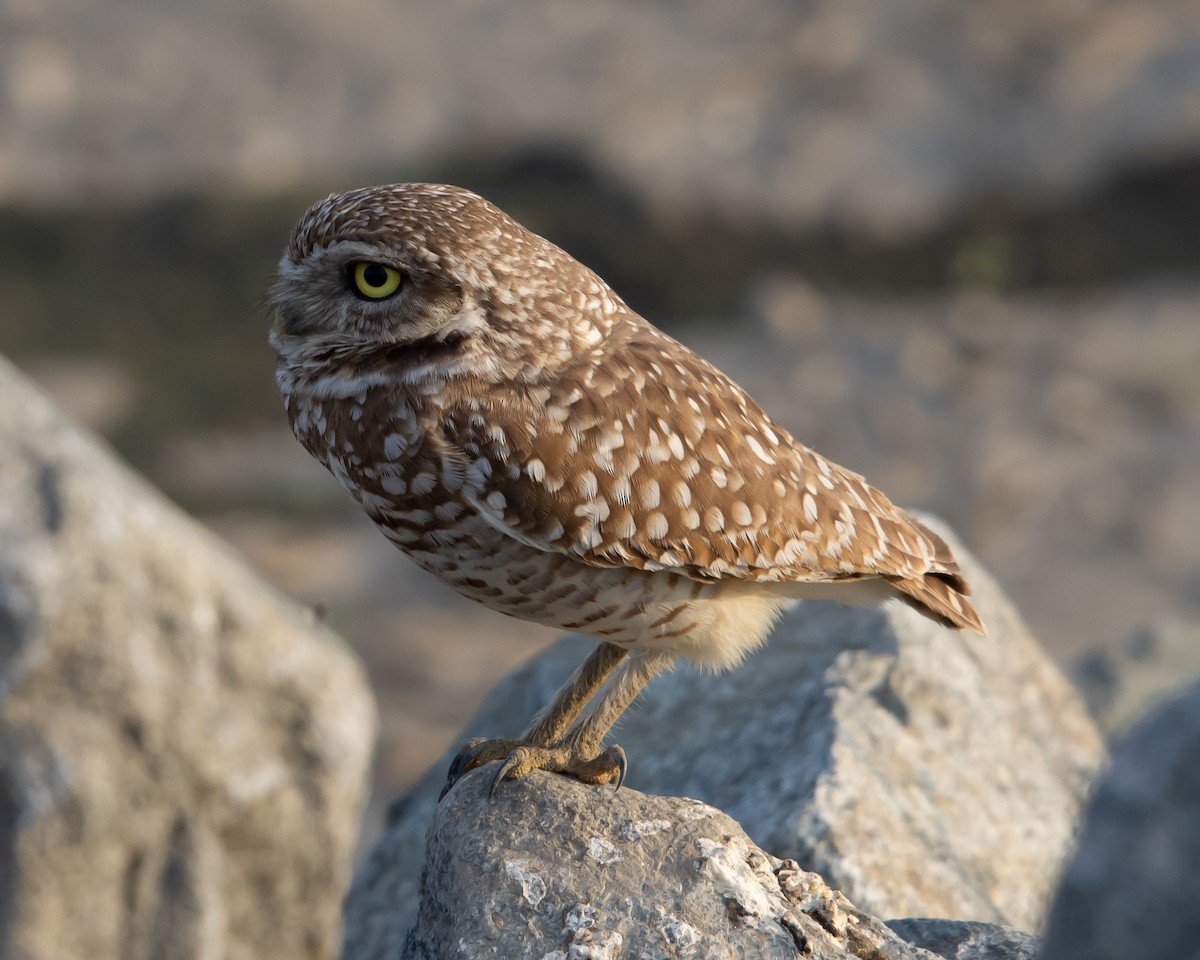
x: 645, y: 876
x: 921, y: 771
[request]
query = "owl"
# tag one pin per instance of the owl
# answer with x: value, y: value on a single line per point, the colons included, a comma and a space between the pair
x: 523, y: 435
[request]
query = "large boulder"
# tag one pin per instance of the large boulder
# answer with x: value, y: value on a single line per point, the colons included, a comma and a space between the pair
x: 554, y: 869
x: 183, y: 754
x: 920, y: 770
x: 1133, y: 887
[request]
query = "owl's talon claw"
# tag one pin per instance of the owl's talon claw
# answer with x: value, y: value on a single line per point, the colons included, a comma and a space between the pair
x: 514, y: 761
x: 622, y: 765
x: 474, y: 753
x: 459, y: 765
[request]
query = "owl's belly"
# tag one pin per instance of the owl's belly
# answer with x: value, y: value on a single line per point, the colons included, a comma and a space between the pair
x: 714, y: 624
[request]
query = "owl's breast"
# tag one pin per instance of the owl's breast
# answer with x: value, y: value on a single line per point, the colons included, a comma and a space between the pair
x: 375, y: 443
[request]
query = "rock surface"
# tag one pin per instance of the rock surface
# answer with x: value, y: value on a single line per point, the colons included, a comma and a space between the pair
x: 182, y: 754
x: 1133, y: 887
x: 919, y: 770
x: 555, y: 869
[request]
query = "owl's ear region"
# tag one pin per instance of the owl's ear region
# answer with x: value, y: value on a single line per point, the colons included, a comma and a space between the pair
x: 372, y: 281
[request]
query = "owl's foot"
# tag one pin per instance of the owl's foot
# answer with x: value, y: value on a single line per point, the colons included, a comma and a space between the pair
x: 520, y: 758
x: 607, y: 767
x: 474, y: 753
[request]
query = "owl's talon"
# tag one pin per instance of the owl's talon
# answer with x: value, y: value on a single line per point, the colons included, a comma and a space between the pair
x: 622, y: 765
x: 459, y: 765
x: 474, y: 753
x: 513, y: 762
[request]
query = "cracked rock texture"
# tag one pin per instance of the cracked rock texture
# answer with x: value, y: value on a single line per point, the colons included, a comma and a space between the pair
x: 183, y: 755
x: 555, y: 869
x: 1133, y: 887
x: 922, y: 771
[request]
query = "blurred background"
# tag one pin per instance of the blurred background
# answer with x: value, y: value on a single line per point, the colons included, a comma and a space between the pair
x: 955, y: 247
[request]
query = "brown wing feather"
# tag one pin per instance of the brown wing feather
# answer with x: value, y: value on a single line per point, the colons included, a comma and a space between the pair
x: 645, y: 455
x: 941, y: 598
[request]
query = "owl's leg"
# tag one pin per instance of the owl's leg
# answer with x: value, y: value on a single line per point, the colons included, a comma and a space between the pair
x: 578, y: 753
x: 550, y: 724
x: 589, y: 730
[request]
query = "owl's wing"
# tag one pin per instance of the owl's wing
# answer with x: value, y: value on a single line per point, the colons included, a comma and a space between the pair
x: 644, y: 455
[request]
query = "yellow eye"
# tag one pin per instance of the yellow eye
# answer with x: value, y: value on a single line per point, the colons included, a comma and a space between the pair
x: 375, y: 281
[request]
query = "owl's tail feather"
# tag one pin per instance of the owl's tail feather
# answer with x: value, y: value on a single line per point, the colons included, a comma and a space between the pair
x: 941, y: 597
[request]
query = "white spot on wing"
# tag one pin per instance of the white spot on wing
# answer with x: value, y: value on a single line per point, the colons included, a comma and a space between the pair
x: 656, y: 526
x: 810, y: 508
x: 753, y: 444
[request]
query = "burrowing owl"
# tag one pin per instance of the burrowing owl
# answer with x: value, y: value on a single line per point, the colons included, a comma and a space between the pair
x: 520, y: 432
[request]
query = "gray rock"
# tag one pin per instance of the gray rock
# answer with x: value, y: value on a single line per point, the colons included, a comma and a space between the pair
x: 1133, y: 887
x: 921, y: 771
x: 968, y: 940
x: 183, y: 755
x: 555, y: 869
x: 1120, y: 685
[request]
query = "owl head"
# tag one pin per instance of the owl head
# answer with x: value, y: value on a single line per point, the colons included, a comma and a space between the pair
x: 425, y: 280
